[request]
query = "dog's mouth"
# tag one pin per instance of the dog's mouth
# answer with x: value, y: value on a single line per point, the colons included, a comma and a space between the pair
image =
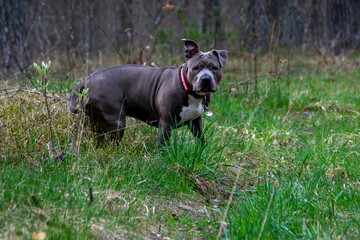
x: 201, y: 93
x: 202, y: 90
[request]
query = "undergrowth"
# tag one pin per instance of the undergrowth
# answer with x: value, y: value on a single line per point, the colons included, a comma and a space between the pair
x: 296, y: 153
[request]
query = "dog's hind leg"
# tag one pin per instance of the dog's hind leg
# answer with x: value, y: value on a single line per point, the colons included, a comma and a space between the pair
x: 114, y: 125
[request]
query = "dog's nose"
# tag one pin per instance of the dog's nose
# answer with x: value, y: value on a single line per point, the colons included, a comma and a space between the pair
x: 205, y: 78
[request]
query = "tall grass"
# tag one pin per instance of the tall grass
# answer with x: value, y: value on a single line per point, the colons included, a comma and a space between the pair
x: 298, y: 162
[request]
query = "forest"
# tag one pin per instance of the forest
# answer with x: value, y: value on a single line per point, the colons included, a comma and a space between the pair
x: 71, y: 32
x: 280, y: 157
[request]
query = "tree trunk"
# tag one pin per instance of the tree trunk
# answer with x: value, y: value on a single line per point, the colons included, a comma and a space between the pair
x: 339, y: 24
x: 218, y: 32
x: 12, y: 36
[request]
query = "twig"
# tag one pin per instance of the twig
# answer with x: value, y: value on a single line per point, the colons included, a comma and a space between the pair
x: 290, y: 108
x: 144, y: 180
x: 256, y: 36
x: 128, y: 13
x: 49, y: 116
x: 18, y: 90
x: 44, y: 82
x: 288, y: 74
x: 253, y: 113
x: 246, y: 88
x: 152, y: 50
x: 43, y: 55
x: 287, y: 114
x: 81, y: 120
x: 8, y: 91
x: 246, y: 82
x: 230, y: 200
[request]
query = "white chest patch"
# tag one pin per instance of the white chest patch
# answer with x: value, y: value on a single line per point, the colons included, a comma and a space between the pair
x: 193, y: 110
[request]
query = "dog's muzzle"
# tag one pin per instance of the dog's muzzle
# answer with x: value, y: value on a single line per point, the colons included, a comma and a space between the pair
x: 205, y: 82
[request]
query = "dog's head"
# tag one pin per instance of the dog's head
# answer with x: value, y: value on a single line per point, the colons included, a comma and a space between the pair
x: 203, y: 69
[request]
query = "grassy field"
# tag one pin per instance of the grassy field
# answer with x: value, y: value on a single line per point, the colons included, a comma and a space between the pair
x: 282, y: 165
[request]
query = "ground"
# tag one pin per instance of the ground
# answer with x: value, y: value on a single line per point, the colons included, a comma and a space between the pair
x: 279, y: 165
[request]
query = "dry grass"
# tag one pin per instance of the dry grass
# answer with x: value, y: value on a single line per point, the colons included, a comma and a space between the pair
x: 300, y: 150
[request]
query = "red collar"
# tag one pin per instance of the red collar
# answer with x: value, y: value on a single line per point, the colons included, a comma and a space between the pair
x: 184, y: 81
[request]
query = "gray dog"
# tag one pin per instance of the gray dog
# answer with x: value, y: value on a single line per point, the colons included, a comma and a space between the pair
x: 164, y: 97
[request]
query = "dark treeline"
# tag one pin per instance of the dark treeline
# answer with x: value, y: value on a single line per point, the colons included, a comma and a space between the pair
x: 90, y: 29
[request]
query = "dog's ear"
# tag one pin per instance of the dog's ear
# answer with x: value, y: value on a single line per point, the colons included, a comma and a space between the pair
x: 191, y: 48
x: 221, y: 55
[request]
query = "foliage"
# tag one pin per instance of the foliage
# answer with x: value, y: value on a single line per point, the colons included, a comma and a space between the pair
x: 296, y: 152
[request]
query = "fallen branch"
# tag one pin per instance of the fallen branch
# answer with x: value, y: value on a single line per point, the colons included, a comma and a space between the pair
x: 246, y: 82
x: 15, y: 91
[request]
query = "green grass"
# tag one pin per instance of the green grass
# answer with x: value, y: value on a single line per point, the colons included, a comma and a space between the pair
x: 297, y: 153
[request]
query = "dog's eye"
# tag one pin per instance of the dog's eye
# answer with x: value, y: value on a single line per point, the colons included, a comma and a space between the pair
x: 214, y: 68
x: 195, y: 68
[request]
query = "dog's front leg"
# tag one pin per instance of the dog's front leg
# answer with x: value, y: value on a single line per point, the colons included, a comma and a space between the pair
x: 164, y: 132
x: 196, y: 128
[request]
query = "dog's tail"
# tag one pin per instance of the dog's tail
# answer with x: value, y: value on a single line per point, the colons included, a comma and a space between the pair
x: 74, y: 95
